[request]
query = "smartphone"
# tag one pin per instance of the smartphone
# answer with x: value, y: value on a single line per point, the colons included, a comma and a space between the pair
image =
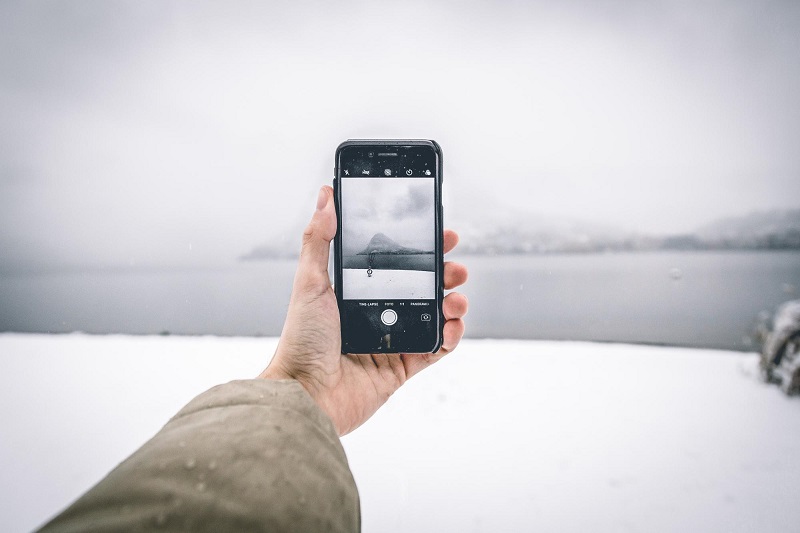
x: 388, y: 256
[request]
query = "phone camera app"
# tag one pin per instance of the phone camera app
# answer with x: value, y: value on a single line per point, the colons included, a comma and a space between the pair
x: 425, y: 317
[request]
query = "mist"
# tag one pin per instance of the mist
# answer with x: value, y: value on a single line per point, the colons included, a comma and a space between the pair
x: 175, y: 134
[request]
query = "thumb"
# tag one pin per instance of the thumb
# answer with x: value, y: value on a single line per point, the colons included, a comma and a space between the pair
x: 317, y: 239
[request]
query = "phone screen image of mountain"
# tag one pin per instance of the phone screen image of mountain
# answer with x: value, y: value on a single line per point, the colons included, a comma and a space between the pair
x: 388, y: 239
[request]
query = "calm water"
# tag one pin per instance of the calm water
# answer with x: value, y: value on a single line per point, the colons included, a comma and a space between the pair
x: 708, y: 299
x: 392, y: 261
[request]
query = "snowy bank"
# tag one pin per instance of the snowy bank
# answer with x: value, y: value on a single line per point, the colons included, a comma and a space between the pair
x: 500, y: 436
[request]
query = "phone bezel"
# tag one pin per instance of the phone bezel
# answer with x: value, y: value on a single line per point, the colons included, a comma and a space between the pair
x: 439, y: 240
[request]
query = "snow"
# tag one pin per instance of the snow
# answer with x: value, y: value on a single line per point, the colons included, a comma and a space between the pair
x: 500, y: 436
x: 385, y: 284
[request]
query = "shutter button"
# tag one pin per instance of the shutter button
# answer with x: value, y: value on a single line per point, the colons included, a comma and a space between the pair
x: 389, y: 317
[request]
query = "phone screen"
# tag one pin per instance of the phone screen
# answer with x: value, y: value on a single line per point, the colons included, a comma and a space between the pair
x: 389, y: 249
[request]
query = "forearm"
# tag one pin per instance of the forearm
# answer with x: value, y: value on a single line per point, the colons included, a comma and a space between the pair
x: 247, y: 455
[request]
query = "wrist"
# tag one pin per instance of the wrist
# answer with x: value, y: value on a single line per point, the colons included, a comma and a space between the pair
x: 274, y: 372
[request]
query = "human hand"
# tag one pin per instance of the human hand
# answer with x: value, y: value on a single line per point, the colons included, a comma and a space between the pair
x: 349, y: 388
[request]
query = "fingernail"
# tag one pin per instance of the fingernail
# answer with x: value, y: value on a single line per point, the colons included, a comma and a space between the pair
x: 322, y: 201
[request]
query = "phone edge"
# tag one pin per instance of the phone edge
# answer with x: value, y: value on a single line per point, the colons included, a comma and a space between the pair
x: 337, y: 242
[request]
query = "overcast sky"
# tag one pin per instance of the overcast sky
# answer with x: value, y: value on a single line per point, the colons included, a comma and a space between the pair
x: 183, y: 133
x: 400, y: 208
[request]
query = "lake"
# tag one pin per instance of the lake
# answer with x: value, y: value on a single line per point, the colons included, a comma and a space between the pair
x: 391, y: 261
x: 705, y: 299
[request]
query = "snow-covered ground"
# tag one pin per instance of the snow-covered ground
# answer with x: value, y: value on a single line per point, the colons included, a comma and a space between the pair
x: 500, y: 436
x: 388, y: 284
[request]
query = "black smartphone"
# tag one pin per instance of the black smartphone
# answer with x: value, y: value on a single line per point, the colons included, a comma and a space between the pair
x: 388, y: 256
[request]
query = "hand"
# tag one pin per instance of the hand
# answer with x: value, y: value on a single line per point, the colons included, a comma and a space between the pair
x: 349, y: 388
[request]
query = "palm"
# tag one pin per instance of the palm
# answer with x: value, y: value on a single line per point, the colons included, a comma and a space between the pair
x: 354, y: 386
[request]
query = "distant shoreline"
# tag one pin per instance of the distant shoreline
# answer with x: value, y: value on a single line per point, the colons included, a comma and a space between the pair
x: 466, y: 251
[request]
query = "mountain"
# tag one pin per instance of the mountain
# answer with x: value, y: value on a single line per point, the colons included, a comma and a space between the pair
x: 517, y: 232
x: 776, y: 229
x: 381, y: 244
x: 268, y: 251
x: 283, y: 247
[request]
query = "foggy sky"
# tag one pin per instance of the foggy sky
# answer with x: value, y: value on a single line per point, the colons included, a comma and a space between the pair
x: 185, y: 133
x: 400, y: 208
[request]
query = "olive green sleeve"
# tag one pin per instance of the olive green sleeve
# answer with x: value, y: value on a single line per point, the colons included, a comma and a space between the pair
x: 253, y: 455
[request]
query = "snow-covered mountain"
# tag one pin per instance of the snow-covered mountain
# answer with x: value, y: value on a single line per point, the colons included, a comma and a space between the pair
x: 761, y: 229
x: 514, y: 232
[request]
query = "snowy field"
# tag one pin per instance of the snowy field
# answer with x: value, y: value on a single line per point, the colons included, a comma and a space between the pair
x: 388, y: 284
x: 500, y: 436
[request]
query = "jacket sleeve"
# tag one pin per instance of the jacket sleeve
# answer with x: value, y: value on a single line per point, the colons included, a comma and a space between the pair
x: 254, y: 455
